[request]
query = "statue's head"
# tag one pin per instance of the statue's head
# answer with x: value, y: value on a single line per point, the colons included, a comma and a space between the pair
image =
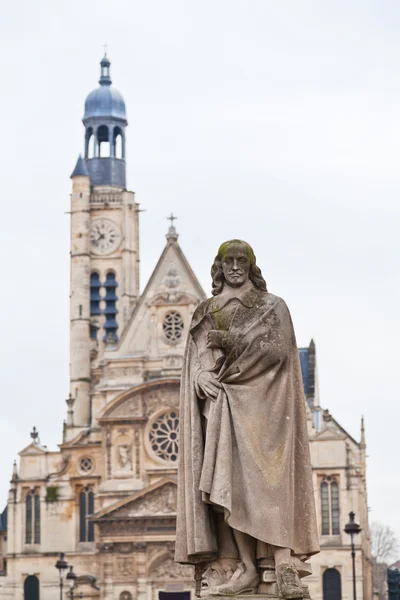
x: 234, y: 265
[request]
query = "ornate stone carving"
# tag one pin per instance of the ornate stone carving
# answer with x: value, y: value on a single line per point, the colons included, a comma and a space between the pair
x: 125, y: 566
x: 171, y: 570
x: 139, y: 546
x: 172, y: 279
x: 159, y: 502
x: 137, y: 452
x: 116, y: 372
x: 173, y: 361
x: 125, y: 596
x: 131, y: 407
x: 153, y: 550
x: 107, y: 548
x: 123, y: 548
x: 216, y: 573
x: 124, y: 454
x: 121, y: 528
x: 156, y: 400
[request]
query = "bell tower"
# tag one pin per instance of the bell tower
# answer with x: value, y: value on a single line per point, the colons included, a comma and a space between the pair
x: 104, y: 245
x: 105, y: 123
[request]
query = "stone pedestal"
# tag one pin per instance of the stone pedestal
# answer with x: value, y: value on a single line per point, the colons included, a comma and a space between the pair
x: 245, y: 597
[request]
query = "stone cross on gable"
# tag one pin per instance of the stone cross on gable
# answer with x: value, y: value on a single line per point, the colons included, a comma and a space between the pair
x: 172, y: 235
x: 172, y: 218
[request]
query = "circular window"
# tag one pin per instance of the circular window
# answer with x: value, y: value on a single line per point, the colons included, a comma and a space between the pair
x: 85, y: 464
x: 173, y: 326
x: 164, y: 436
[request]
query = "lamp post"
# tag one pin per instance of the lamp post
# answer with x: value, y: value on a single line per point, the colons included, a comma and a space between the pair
x: 62, y: 566
x: 353, y: 528
x: 71, y: 578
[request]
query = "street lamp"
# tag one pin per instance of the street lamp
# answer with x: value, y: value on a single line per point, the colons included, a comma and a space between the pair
x: 62, y: 566
x: 71, y: 577
x: 353, y: 528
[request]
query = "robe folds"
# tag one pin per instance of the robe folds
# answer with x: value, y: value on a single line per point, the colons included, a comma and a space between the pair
x: 247, y: 452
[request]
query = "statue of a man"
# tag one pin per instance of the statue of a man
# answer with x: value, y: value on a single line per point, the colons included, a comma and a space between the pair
x: 245, y: 491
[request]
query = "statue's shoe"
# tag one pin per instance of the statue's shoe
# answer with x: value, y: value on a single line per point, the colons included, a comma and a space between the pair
x: 245, y: 583
x: 289, y: 584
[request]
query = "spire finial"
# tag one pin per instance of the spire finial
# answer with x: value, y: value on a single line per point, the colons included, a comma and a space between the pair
x: 35, y: 435
x: 70, y: 403
x: 14, y: 471
x: 105, y: 78
x: 362, y: 442
x: 172, y: 235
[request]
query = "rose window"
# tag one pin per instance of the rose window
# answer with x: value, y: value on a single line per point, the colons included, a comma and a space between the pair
x: 173, y: 326
x: 164, y: 436
x: 85, y: 464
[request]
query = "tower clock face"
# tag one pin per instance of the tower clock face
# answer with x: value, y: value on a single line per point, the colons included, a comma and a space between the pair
x: 105, y: 236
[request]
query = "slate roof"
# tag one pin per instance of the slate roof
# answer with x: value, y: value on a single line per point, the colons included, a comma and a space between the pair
x: 80, y: 168
x: 3, y: 520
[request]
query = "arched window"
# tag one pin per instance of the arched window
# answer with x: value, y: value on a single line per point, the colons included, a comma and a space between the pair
x: 117, y: 143
x: 332, y: 585
x: 330, y: 508
x: 110, y: 310
x: 32, y: 517
x: 89, y: 143
x: 86, y: 509
x: 103, y: 141
x: 31, y: 588
x: 95, y: 299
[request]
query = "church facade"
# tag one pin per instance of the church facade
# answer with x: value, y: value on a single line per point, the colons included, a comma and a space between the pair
x: 107, y: 497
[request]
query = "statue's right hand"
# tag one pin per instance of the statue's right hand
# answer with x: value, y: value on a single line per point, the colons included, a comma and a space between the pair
x: 209, y: 384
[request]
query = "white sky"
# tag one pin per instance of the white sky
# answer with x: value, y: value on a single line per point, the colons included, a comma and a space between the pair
x: 275, y: 122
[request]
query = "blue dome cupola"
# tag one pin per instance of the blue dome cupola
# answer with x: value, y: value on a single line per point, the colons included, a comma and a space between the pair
x: 105, y: 122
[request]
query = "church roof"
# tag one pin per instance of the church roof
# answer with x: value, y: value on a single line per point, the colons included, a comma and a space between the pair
x: 80, y: 168
x: 105, y: 101
x: 307, y: 364
x: 172, y: 253
x: 3, y: 520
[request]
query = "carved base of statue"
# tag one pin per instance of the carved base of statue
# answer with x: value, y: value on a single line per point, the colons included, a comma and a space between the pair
x: 229, y: 577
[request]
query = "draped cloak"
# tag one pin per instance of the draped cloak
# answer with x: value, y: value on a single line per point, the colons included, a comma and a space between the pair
x: 252, y: 459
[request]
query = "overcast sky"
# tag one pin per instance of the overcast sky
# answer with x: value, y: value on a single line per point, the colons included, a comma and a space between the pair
x: 275, y: 122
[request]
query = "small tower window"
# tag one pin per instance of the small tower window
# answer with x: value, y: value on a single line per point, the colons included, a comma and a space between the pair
x: 89, y: 143
x: 117, y: 143
x: 86, y: 509
x: 330, y: 508
x: 32, y: 517
x: 103, y: 141
x: 95, y: 299
x: 110, y: 310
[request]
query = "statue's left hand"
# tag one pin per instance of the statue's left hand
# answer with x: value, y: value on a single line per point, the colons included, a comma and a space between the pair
x: 215, y: 339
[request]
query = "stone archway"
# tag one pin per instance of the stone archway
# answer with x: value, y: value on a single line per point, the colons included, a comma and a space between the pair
x: 31, y: 588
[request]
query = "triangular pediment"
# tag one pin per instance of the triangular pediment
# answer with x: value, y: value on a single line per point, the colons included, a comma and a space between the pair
x: 158, y: 499
x: 330, y: 433
x: 172, y: 286
x: 33, y: 450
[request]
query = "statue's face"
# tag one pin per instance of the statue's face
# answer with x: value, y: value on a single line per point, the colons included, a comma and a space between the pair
x: 236, y: 265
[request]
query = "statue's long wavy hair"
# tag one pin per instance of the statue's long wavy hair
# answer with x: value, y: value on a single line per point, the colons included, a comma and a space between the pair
x: 217, y: 274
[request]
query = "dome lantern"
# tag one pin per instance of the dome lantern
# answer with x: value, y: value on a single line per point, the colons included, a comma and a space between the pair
x: 105, y: 122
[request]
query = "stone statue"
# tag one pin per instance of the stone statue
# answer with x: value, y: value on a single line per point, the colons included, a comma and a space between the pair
x: 246, y: 514
x: 125, y: 457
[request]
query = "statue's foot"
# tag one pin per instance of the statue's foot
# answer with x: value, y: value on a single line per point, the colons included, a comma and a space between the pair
x: 289, y: 584
x: 243, y: 581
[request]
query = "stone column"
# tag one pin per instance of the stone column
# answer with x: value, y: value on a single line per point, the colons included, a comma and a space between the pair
x: 80, y: 301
